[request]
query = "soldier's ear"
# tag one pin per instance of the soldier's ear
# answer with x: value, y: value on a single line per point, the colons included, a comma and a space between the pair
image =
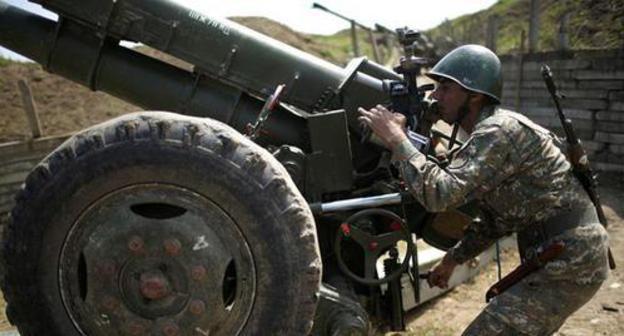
x: 478, y: 98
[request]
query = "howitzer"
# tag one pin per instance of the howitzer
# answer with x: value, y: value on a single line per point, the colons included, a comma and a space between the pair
x: 178, y: 223
x: 577, y: 155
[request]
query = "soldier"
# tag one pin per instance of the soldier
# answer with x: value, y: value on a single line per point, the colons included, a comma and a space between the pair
x: 522, y: 182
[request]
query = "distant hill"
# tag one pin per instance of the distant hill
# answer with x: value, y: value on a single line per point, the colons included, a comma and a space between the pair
x: 336, y: 48
x: 309, y: 43
x: 592, y: 24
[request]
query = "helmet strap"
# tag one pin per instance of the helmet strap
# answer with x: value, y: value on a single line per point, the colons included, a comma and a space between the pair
x: 463, y: 112
x: 464, y: 109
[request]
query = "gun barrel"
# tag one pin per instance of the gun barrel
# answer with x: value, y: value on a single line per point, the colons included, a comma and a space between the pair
x: 134, y: 77
x: 235, y: 67
x: 218, y: 47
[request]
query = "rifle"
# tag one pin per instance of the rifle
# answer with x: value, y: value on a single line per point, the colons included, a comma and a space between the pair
x: 526, y: 268
x: 577, y: 155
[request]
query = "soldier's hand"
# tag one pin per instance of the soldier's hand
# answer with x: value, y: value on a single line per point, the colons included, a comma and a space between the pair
x: 442, y: 272
x: 389, y: 127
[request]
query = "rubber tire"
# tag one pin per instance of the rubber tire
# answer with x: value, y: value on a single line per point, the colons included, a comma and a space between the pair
x: 203, y: 154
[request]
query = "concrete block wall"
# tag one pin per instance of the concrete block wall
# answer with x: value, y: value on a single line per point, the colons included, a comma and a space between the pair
x: 593, y: 84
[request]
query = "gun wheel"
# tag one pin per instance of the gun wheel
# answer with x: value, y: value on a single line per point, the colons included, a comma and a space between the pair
x: 155, y: 223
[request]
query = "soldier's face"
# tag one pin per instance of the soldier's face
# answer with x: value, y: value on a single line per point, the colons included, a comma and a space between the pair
x: 450, y: 96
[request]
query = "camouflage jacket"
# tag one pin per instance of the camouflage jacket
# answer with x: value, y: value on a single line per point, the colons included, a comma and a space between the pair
x: 517, y: 173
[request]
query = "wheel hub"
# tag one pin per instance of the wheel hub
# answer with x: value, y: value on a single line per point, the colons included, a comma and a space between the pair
x: 154, y: 287
x: 156, y: 259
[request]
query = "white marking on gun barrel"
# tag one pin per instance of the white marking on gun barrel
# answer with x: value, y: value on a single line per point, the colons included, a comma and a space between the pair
x: 211, y: 22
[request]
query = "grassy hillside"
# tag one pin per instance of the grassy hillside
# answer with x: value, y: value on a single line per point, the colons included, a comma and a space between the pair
x: 592, y: 24
x: 336, y: 48
x: 340, y: 47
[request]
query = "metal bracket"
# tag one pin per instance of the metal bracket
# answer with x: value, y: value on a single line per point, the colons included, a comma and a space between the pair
x: 102, y: 34
x: 227, y: 63
x: 330, y: 93
x: 96, y: 65
x: 197, y: 76
x: 173, y: 26
x: 55, y: 37
x: 352, y: 69
x: 290, y: 87
x: 323, y: 101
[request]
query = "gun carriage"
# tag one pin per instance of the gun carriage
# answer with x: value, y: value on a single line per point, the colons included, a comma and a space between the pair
x: 259, y: 207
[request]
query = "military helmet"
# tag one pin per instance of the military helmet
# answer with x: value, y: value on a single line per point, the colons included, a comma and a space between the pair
x: 474, y: 67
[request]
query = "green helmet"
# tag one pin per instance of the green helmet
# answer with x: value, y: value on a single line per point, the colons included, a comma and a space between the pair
x: 474, y: 67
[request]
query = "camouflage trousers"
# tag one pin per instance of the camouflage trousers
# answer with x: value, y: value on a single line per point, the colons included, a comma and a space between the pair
x: 534, y: 306
x: 541, y: 302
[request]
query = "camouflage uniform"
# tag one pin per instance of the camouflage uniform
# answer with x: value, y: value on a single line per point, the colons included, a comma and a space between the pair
x: 517, y: 173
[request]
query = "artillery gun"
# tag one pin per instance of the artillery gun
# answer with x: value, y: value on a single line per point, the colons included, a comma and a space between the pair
x: 256, y: 205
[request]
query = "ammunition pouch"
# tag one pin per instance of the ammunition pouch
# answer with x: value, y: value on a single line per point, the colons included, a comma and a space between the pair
x: 533, y: 237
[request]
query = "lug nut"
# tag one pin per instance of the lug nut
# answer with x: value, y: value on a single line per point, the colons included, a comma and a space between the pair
x: 171, y: 329
x: 154, y: 285
x: 173, y: 247
x: 135, y: 329
x: 110, y: 303
x: 198, y: 273
x: 197, y: 307
x: 136, y: 244
x: 373, y: 245
x: 106, y: 268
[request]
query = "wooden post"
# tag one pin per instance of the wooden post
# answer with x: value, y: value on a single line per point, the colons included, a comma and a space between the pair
x: 492, y: 32
x: 449, y: 29
x: 354, y: 40
x: 534, y: 26
x: 520, y: 71
x: 30, y: 108
x: 373, y: 42
x: 564, y: 40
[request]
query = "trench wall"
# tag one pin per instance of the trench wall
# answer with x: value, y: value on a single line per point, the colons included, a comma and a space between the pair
x: 16, y: 161
x: 593, y: 83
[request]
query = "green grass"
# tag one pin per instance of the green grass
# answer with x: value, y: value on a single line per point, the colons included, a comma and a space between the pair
x: 592, y: 25
x: 4, y: 62
x: 339, y: 49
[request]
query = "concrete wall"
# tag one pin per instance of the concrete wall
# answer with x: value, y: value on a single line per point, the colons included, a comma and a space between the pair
x: 593, y: 83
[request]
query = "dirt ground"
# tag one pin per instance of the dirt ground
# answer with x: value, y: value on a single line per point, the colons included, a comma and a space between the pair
x: 63, y: 106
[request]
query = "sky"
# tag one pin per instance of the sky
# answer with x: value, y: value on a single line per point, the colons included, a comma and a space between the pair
x: 299, y: 14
